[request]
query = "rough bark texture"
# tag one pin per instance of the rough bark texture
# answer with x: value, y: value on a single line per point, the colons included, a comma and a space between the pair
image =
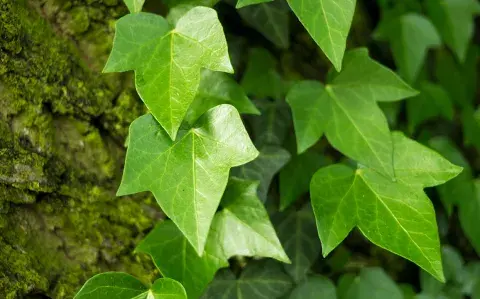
x: 62, y: 130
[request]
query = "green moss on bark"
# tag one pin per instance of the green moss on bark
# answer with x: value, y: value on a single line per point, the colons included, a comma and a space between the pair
x: 62, y: 128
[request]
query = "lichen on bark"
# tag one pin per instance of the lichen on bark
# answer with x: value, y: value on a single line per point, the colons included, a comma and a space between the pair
x: 62, y: 131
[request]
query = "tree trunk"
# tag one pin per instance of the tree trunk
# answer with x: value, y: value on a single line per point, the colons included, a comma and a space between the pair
x: 62, y: 130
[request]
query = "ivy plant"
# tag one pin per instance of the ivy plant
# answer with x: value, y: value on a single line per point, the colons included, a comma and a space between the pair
x: 251, y: 191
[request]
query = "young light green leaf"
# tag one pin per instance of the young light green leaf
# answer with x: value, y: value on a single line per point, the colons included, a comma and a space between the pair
x: 261, y: 78
x: 454, y: 20
x: 410, y: 36
x: 270, y: 19
x: 433, y: 101
x: 243, y: 3
x: 167, y: 62
x: 418, y: 166
x: 218, y: 88
x: 175, y: 257
x: 270, y: 160
x: 296, y: 175
x: 243, y: 226
x: 328, y: 22
x: 260, y: 280
x: 187, y: 177
x: 313, y: 287
x: 309, y: 104
x: 134, y: 5
x: 299, y: 237
x: 347, y: 111
x: 374, y: 283
x: 124, y: 286
x: 393, y: 216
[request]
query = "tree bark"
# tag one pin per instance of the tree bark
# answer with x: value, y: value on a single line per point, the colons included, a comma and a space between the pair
x: 62, y: 130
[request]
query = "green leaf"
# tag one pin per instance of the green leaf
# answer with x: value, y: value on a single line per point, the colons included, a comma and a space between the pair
x: 410, y: 36
x: 461, y: 187
x: 296, y: 175
x: 187, y: 177
x: 396, y: 216
x: 270, y: 160
x: 312, y: 287
x: 261, y: 78
x: 454, y: 20
x: 418, y: 166
x: 216, y: 89
x: 243, y: 3
x: 374, y: 283
x: 471, y: 128
x: 124, y: 286
x: 347, y: 111
x: 432, y: 102
x: 299, y: 237
x: 208, y: 3
x: 176, y: 258
x: 134, y: 5
x: 272, y: 127
x: 310, y: 106
x: 469, y: 210
x: 270, y: 19
x: 167, y: 62
x: 243, y: 226
x: 344, y: 283
x: 459, y: 80
x: 328, y: 22
x: 261, y: 280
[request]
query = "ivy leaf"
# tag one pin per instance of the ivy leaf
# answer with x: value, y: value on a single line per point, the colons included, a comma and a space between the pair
x: 261, y: 78
x: 264, y: 279
x: 270, y: 160
x: 328, y: 22
x: 176, y: 258
x: 272, y: 127
x: 459, y: 80
x: 424, y: 168
x: 134, y: 5
x: 433, y: 101
x: 124, y: 286
x: 243, y: 3
x: 243, y: 226
x: 208, y: 3
x: 187, y: 177
x: 396, y: 216
x: 468, y: 214
x: 298, y: 234
x: 410, y: 36
x: 296, y: 175
x: 347, y: 111
x: 455, y: 22
x: 215, y: 89
x: 373, y: 283
x: 312, y: 287
x: 270, y: 19
x: 167, y: 62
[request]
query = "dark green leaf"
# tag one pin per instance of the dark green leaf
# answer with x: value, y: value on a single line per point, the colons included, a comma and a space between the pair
x: 259, y: 280
x: 313, y: 287
x: 270, y: 19
x: 296, y: 175
x: 374, y: 283
x: 264, y: 168
x: 299, y: 237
